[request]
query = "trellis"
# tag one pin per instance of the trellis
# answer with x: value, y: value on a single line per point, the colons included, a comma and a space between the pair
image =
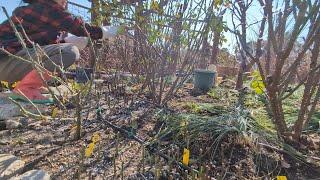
x: 80, y: 10
x: 84, y: 12
x: 201, y: 23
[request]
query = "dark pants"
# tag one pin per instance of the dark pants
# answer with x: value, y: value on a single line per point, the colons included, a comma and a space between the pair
x: 13, y: 69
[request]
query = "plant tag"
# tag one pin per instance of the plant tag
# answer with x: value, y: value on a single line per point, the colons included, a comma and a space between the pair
x: 54, y: 112
x: 281, y: 177
x: 5, y: 84
x: 186, y: 157
x: 15, y: 84
x: 96, y: 137
x: 89, y: 150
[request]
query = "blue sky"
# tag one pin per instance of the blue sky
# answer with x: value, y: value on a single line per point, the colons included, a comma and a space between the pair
x: 9, y: 5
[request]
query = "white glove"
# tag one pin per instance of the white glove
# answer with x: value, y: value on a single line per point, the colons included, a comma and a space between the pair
x: 80, y: 42
x: 110, y: 31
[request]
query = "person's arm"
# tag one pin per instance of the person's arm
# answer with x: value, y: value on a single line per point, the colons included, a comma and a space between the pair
x: 65, y: 21
x: 4, y: 28
x: 59, y: 19
x: 75, y: 26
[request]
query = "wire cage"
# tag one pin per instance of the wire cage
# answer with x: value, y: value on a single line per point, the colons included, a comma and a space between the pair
x: 80, y: 10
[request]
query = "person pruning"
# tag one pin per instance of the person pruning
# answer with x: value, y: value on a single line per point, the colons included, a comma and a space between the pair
x: 43, y: 21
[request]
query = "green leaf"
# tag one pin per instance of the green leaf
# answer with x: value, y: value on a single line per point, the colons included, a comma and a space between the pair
x: 152, y: 39
x: 121, y: 30
x: 257, y: 84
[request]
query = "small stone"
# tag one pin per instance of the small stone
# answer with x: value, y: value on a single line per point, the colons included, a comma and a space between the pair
x: 44, y: 139
x: 10, y: 166
x: 12, y: 124
x: 45, y: 123
x: 61, y: 168
x: 9, y: 110
x: 167, y: 168
x: 35, y: 126
x: 285, y: 165
x: 98, y: 81
x: 4, y: 133
x: 39, y: 146
x: 34, y: 174
x: 4, y: 142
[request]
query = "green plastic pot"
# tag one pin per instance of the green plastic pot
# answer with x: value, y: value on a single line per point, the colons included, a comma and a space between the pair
x: 204, y: 79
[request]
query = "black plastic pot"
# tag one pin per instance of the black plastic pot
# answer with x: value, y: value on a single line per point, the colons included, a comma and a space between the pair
x: 83, y: 75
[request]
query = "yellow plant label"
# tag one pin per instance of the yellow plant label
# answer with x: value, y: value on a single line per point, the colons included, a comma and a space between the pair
x: 281, y: 178
x: 95, y: 137
x: 186, y: 157
x: 5, y: 84
x: 15, y: 84
x: 54, y: 112
x: 89, y: 150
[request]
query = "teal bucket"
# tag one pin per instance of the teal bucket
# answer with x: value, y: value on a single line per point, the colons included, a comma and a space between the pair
x: 204, y: 79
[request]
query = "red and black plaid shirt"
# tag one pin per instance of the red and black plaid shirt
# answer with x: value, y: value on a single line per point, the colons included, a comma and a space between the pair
x: 43, y: 21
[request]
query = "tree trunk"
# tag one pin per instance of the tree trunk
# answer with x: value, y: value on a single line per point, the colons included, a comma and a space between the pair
x: 215, y: 48
x: 242, y: 69
x: 277, y: 112
x: 312, y: 80
x: 204, y: 54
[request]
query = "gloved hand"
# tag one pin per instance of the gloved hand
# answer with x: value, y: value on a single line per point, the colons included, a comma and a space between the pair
x: 112, y: 31
x: 80, y: 42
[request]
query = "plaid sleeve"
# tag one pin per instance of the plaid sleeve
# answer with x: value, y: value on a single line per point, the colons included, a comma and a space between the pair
x: 65, y: 21
x: 59, y: 19
x: 8, y: 38
x: 5, y: 27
